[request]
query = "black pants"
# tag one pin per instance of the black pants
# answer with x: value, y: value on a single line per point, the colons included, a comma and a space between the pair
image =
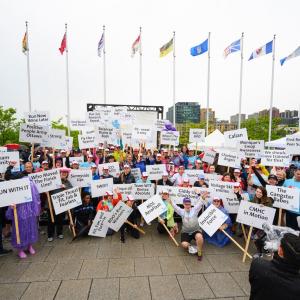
x: 291, y: 220
x: 58, y: 224
x: 132, y: 231
x: 160, y: 228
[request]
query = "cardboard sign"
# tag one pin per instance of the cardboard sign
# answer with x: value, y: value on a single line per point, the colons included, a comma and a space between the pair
x: 152, y: 208
x: 80, y: 178
x: 37, y: 117
x: 197, y: 135
x: 66, y: 200
x: 251, y: 149
x: 136, y: 172
x: 209, y: 156
x: 293, y: 144
x: 113, y: 169
x: 193, y: 175
x: 99, y: 226
x: 106, y: 134
x: 214, y: 177
x: 126, y: 137
x: 79, y: 159
x: 233, y: 136
x: 87, y: 141
x: 93, y: 118
x: 276, y: 158
x: 78, y: 124
x: 221, y: 186
x: 3, y: 149
x: 155, y: 171
x: 33, y: 133
x: 99, y: 187
x: 169, y: 138
x: 142, y: 133
x: 47, y: 180
x: 6, y: 157
x: 255, y: 215
x: 124, y: 189
x: 15, y: 192
x: 160, y: 124
x: 143, y: 191
x: 229, y: 159
x: 118, y: 216
x: 88, y: 130
x: 230, y: 201
x: 286, y: 198
x: 56, y: 138
x: 68, y: 143
x: 212, y: 219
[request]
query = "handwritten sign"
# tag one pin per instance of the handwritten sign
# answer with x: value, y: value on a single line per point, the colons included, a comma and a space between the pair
x: 169, y: 138
x: 276, y: 158
x: 229, y: 159
x: 193, y: 175
x: 209, y: 156
x: 160, y: 124
x: 118, y: 216
x: 80, y: 178
x: 233, y: 136
x: 78, y: 124
x: 113, y: 168
x: 99, y: 187
x: 197, y: 135
x: 37, y: 117
x: 230, y: 201
x: 47, y: 180
x: 99, y: 226
x: 143, y: 191
x: 93, y: 118
x: 33, y: 133
x: 221, y: 186
x: 142, y: 133
x: 293, y: 144
x: 251, y: 148
x: 155, y: 171
x: 86, y: 141
x: 6, y: 157
x: 136, y: 172
x: 106, y: 134
x: 124, y: 189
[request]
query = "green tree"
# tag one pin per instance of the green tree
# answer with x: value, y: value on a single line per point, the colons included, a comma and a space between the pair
x: 185, y: 131
x: 9, y: 126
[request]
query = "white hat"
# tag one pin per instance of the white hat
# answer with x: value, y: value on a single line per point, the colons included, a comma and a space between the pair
x: 165, y: 191
x: 237, y: 171
x: 91, y: 155
x: 93, y: 166
x: 175, y: 149
x: 45, y: 162
x: 144, y: 174
x: 109, y: 193
x: 186, y: 180
x: 74, y: 162
x: 130, y: 198
x: 105, y: 168
x: 165, y: 173
x: 106, y: 149
x: 63, y: 151
x: 126, y: 166
x: 158, y: 154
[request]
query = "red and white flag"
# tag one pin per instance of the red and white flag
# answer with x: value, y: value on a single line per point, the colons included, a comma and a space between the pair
x: 63, y: 45
x: 136, y: 46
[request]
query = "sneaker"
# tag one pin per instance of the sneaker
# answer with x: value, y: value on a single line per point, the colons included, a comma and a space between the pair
x: 199, y: 257
x: 4, y: 252
x: 141, y: 224
x: 60, y: 236
x: 122, y: 240
x: 31, y: 250
x: 50, y: 239
x: 22, y: 254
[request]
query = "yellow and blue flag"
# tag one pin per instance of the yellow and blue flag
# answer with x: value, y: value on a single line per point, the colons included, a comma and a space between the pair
x: 166, y: 48
x: 200, y: 49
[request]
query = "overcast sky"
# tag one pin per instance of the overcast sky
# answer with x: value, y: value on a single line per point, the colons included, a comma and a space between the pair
x: 192, y: 20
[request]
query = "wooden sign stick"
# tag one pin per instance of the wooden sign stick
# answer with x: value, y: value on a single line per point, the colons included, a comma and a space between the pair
x: 137, y: 228
x: 32, y: 152
x: 169, y: 233
x: 71, y: 223
x: 244, y: 232
x: 279, y: 216
x: 17, y: 226
x: 50, y: 207
x: 247, y: 243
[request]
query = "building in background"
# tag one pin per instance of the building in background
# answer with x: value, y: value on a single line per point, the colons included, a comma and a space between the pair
x: 266, y: 113
x: 235, y: 118
x: 289, y: 117
x: 224, y: 125
x: 186, y: 112
x: 211, y: 115
x: 253, y: 116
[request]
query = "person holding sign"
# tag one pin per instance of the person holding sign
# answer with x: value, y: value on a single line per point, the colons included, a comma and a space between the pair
x: 179, y: 177
x: 190, y: 227
x: 126, y: 176
x: 201, y: 183
x: 165, y: 180
x: 17, y: 175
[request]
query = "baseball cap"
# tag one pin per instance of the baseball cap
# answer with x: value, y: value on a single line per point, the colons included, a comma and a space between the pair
x: 198, y: 161
x: 126, y: 166
x: 185, y: 180
x: 236, y: 184
x: 144, y: 174
x: 130, y: 198
x: 64, y: 170
x: 175, y: 149
x: 237, y: 171
x: 91, y: 155
x: 105, y: 168
x: 45, y: 162
x: 186, y: 200
x: 201, y: 176
x: 272, y: 176
x: 165, y: 174
x: 93, y: 166
x: 165, y: 191
x: 63, y: 151
x: 109, y: 193
x: 158, y: 154
x: 216, y: 198
x: 74, y: 162
x: 106, y: 150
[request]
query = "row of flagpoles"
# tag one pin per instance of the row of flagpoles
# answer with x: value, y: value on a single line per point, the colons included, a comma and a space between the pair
x: 200, y: 49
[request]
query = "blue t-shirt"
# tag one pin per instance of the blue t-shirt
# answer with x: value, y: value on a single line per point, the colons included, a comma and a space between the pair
x: 293, y: 183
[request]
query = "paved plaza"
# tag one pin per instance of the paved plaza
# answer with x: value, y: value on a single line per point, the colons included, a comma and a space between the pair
x: 149, y: 268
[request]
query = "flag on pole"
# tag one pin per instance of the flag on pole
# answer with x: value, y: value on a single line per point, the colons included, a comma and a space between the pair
x: 63, y: 45
x: 166, y: 48
x: 233, y: 47
x: 200, y: 49
x: 292, y: 55
x: 136, y: 46
x: 25, y: 44
x: 101, y: 45
x: 266, y: 49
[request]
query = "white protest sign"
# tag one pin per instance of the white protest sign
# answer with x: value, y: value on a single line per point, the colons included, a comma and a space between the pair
x: 209, y: 156
x: 160, y: 124
x: 56, y: 138
x: 209, y: 177
x: 15, y: 192
x: 80, y: 178
x: 169, y: 138
x: 79, y: 159
x: 275, y: 158
x: 286, y: 198
x: 33, y: 133
x: 93, y: 118
x: 197, y: 135
x: 155, y: 171
x: 136, y: 172
x: 99, y: 187
x: 88, y: 130
x: 106, y: 113
x: 143, y: 191
x: 255, y: 215
x: 3, y: 149
x: 37, y: 117
x: 142, y: 133
x: 251, y: 148
x: 126, y: 136
x: 113, y: 169
x: 293, y: 144
x: 152, y: 208
x: 47, y: 180
x: 87, y: 141
x: 124, y: 189
x: 221, y: 186
x: 212, y: 219
x: 78, y: 124
x: 232, y: 136
x: 69, y: 143
x: 6, y: 157
x: 118, y: 216
x: 193, y: 175
x: 229, y: 159
x: 106, y: 134
x: 99, y: 226
x: 230, y: 201
x: 66, y: 200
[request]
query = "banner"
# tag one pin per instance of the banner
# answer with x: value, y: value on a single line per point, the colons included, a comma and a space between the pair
x: 251, y: 149
x: 15, y: 192
x: 124, y: 189
x: 293, y: 144
x: 229, y: 159
x: 118, y: 216
x: 255, y: 215
x: 152, y: 208
x: 34, y: 134
x: 285, y: 198
x: 6, y: 157
x: 113, y: 169
x: 99, y: 226
x: 209, y: 156
x: 87, y: 141
x: 155, y: 171
x: 233, y: 136
x: 37, y: 117
x: 169, y: 138
x: 275, y: 158
x: 197, y: 135
x: 100, y: 186
x: 78, y: 124
x: 106, y: 134
x: 221, y: 186
x: 212, y: 219
x: 46, y: 181
x: 143, y: 191
x: 66, y: 200
x: 80, y: 178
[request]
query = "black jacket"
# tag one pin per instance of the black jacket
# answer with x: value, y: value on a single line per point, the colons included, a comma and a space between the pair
x: 274, y: 280
x: 129, y: 178
x: 168, y: 182
x: 14, y: 175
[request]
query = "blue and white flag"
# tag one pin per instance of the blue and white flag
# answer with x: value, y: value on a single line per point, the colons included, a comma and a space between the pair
x: 233, y: 47
x: 200, y: 49
x: 101, y: 45
x: 292, y: 55
x: 266, y: 49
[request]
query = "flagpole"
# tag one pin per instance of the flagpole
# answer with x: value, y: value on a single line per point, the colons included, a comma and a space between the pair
x: 272, y: 90
x: 104, y: 67
x: 67, y: 79
x: 241, y: 80
x: 208, y: 79
x: 174, y: 91
x: 141, y: 54
x: 28, y: 69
